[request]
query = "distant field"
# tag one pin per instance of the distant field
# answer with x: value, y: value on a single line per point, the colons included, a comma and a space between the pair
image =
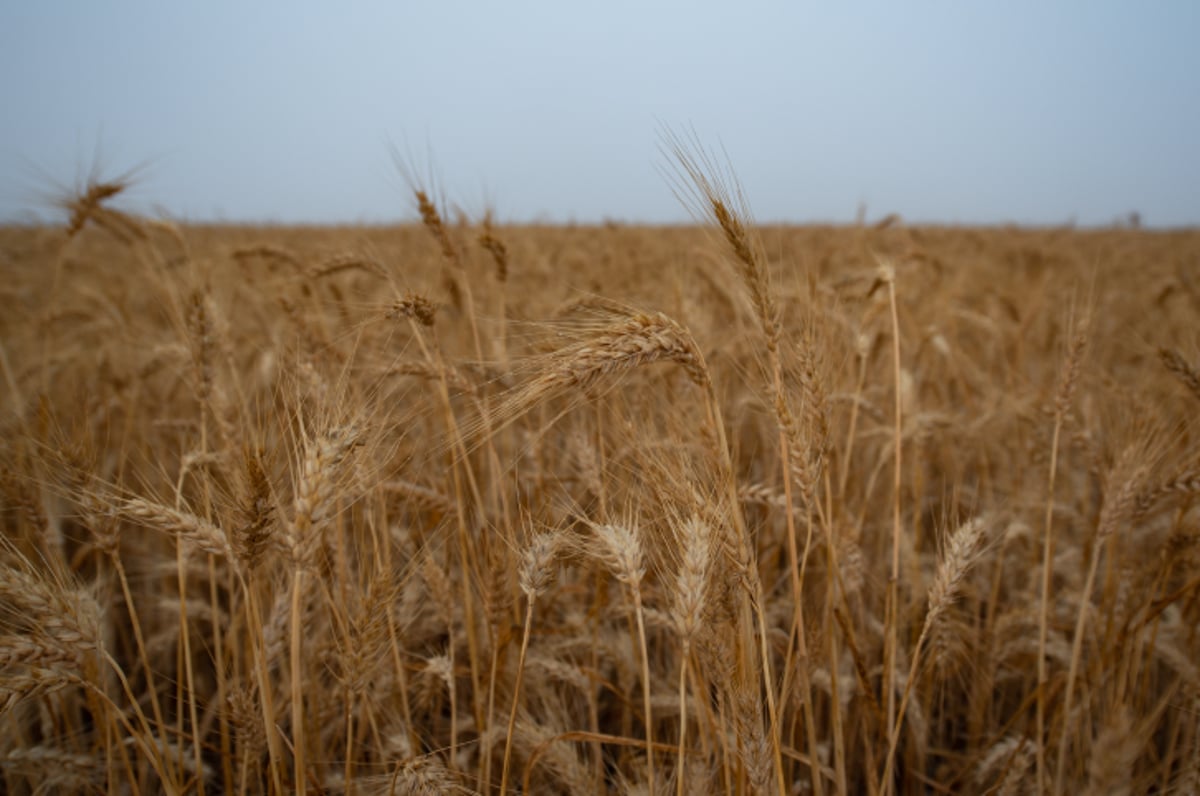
x: 456, y: 508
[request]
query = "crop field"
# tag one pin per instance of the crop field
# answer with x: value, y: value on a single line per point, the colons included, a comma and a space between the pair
x: 461, y: 507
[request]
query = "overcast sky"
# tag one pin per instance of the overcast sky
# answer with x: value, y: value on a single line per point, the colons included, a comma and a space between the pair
x: 961, y: 112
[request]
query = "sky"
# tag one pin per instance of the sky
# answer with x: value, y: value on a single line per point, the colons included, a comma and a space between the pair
x: 945, y: 112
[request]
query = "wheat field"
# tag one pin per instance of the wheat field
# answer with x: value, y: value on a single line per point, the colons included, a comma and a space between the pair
x: 459, y: 507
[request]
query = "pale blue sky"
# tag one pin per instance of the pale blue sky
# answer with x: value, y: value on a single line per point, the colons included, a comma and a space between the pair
x: 963, y: 112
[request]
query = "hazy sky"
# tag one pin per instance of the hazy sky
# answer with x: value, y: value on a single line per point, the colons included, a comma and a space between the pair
x: 941, y: 111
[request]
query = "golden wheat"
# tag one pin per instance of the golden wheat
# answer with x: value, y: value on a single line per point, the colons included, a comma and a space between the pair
x: 449, y: 507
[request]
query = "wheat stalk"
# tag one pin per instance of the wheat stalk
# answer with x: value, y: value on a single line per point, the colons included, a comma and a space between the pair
x: 620, y: 548
x: 688, y: 614
x: 536, y: 575
x: 1062, y: 405
x: 963, y: 550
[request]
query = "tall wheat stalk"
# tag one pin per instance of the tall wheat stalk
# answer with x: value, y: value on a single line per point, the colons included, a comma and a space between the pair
x: 1062, y: 405
x: 887, y: 274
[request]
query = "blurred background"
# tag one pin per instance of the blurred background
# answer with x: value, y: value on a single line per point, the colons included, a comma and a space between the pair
x: 1025, y: 112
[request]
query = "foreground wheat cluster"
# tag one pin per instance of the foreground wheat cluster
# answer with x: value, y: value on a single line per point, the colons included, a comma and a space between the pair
x: 459, y: 508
